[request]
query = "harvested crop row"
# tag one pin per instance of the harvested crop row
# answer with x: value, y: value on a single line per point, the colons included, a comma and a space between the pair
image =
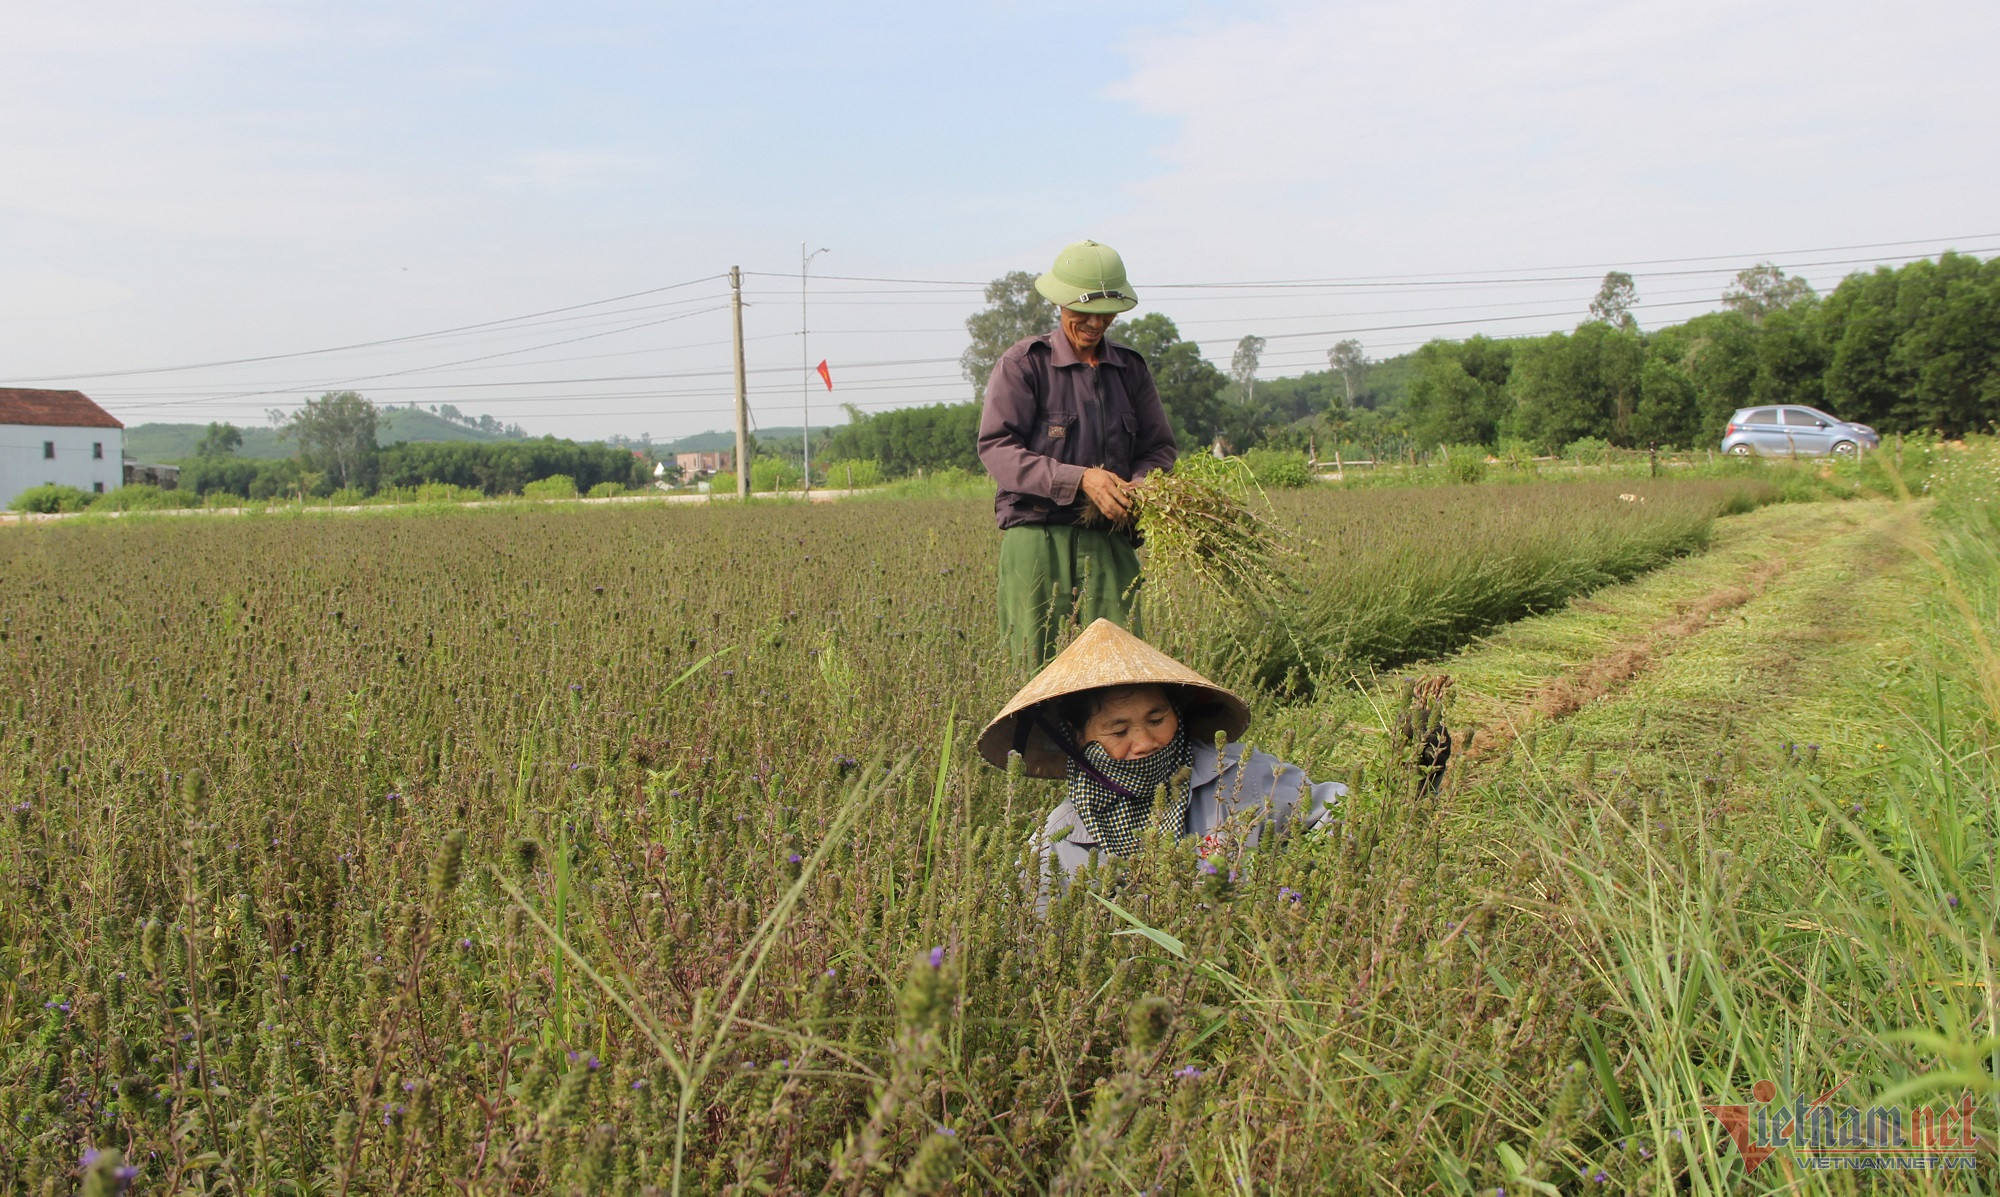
x: 1394, y: 576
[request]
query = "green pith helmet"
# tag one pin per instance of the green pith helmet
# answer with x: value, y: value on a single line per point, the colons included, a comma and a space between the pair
x: 1088, y: 277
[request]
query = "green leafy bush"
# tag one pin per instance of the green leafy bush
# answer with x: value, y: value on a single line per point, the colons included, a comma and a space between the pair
x: 504, y: 467
x: 445, y: 492
x: 607, y: 490
x: 1465, y: 463
x: 50, y: 499
x: 429, y: 492
x: 773, y: 474
x: 556, y: 486
x: 852, y: 473
x: 143, y: 497
x: 1588, y: 451
x: 1278, y: 468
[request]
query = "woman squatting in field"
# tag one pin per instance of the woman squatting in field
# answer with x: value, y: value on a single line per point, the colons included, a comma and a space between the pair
x: 1134, y: 733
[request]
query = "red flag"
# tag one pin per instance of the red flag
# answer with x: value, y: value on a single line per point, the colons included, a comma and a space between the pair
x: 825, y: 375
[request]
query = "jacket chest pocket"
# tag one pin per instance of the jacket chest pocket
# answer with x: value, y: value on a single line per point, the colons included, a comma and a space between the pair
x: 1055, y: 434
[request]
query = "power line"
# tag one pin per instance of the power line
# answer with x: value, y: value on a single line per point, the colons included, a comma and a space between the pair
x: 551, y: 382
x: 329, y: 386
x: 272, y: 357
x: 1362, y: 279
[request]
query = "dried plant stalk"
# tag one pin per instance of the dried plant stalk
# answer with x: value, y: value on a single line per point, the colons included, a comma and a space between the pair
x: 1198, y: 523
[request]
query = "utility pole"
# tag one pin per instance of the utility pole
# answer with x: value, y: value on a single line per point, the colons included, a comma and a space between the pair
x: 742, y: 392
x: 805, y: 366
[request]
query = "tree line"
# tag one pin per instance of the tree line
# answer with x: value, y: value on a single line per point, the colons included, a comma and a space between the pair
x: 1914, y: 348
x: 337, y: 451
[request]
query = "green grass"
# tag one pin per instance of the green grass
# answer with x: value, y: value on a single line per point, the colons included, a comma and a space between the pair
x: 1390, y: 576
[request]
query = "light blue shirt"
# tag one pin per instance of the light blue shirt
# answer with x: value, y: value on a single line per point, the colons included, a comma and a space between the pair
x: 1246, y: 797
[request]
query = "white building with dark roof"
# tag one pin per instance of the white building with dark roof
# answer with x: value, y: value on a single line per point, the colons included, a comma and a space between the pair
x: 59, y: 437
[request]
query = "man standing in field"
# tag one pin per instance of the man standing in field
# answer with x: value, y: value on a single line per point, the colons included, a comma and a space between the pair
x: 1071, y: 420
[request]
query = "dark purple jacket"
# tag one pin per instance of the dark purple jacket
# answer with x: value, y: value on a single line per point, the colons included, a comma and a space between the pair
x: 1049, y: 415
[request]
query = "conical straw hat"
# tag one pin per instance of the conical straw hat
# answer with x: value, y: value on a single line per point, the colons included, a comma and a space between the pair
x: 1108, y: 655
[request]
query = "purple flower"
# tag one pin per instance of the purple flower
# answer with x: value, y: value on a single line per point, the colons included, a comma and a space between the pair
x: 465, y: 943
x: 947, y: 1131
x: 1951, y: 900
x: 1208, y: 868
x: 1188, y: 1073
x: 1601, y: 1177
x: 639, y: 1084
x: 937, y: 957
x: 795, y: 858
x: 832, y: 972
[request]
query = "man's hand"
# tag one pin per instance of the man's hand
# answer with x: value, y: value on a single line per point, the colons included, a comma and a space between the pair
x: 1112, y: 494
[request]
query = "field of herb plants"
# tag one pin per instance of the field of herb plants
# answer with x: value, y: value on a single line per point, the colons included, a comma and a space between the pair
x: 570, y: 849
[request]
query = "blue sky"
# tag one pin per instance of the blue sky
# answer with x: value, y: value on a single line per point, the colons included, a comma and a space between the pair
x: 217, y: 179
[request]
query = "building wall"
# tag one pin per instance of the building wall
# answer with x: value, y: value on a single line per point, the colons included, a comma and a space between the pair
x: 704, y: 462
x: 22, y: 464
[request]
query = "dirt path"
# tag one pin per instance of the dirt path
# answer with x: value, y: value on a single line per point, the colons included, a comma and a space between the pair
x: 1722, y: 652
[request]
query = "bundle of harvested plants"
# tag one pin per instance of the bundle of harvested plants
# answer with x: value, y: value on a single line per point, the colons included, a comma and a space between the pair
x: 1196, y: 520
x: 1224, y: 582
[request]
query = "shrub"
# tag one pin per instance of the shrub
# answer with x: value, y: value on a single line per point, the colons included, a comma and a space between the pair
x: 607, y: 490
x: 948, y: 483
x: 347, y: 496
x: 445, y: 492
x: 1516, y: 454
x: 504, y: 467
x: 852, y: 473
x: 773, y: 474
x: 50, y: 499
x: 1588, y: 451
x: 555, y: 486
x: 141, y: 497
x: 1465, y: 463
x: 1279, y: 468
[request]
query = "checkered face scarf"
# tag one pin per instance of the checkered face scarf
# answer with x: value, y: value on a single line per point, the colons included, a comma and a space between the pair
x: 1117, y: 820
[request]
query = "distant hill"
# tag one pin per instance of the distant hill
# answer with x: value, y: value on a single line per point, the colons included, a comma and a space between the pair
x: 176, y: 442
x: 709, y: 442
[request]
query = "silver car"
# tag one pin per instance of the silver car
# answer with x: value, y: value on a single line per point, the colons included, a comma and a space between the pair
x: 1789, y: 431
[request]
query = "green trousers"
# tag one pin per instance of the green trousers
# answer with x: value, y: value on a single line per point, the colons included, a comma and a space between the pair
x: 1051, y: 574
